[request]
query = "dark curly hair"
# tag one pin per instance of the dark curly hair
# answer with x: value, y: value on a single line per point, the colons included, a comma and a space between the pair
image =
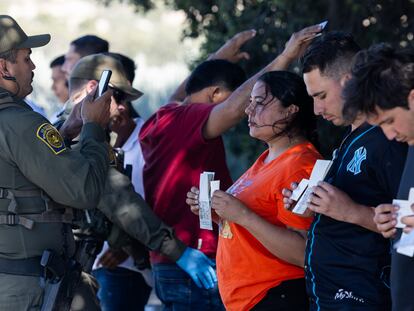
x: 290, y: 89
x: 383, y: 77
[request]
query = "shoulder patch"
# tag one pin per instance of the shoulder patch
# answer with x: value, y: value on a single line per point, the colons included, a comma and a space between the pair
x: 51, y: 137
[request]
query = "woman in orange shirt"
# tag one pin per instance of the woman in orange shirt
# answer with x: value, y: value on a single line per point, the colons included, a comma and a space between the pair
x: 260, y: 255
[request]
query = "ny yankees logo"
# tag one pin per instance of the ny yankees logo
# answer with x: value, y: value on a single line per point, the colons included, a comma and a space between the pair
x: 354, y: 165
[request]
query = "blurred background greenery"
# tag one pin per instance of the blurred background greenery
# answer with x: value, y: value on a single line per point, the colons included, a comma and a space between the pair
x: 152, y: 38
x: 166, y: 37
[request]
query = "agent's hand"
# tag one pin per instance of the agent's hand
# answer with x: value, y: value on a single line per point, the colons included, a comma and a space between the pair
x: 230, y: 208
x: 96, y: 110
x: 386, y: 219
x: 199, y: 267
x: 112, y: 258
x: 73, y: 124
x: 299, y: 41
x: 408, y: 221
x: 330, y: 201
x: 231, y: 49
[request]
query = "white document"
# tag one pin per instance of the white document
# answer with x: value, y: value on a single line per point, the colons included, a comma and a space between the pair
x: 405, y: 208
x: 214, y: 185
x: 204, y: 199
x: 405, y: 246
x: 296, y: 194
x: 318, y: 174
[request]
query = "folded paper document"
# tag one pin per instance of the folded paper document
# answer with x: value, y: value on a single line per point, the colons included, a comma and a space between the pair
x: 207, y: 187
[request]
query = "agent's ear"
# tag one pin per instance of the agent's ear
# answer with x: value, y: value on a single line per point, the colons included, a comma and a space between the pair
x: 3, y: 68
x: 410, y: 100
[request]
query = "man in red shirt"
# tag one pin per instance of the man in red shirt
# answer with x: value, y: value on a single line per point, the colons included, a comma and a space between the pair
x: 181, y: 141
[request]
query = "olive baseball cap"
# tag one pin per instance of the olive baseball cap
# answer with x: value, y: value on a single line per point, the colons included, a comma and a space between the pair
x: 12, y: 36
x: 90, y: 68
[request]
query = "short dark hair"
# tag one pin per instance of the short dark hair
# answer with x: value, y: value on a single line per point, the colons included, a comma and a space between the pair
x: 10, y: 56
x: 58, y: 61
x: 383, y: 77
x: 290, y: 89
x: 332, y: 54
x: 127, y: 63
x: 215, y: 72
x: 90, y: 44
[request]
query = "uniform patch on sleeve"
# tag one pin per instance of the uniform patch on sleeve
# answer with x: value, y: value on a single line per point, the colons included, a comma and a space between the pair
x: 51, y: 137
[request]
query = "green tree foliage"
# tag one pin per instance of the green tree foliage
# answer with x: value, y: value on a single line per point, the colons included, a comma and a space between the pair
x: 275, y: 20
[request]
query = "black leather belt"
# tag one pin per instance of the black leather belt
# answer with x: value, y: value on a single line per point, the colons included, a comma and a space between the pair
x: 28, y: 266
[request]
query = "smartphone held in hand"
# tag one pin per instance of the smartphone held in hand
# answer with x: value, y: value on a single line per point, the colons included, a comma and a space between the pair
x: 103, y: 82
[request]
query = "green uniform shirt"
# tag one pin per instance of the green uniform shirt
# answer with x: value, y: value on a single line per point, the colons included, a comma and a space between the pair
x: 33, y: 157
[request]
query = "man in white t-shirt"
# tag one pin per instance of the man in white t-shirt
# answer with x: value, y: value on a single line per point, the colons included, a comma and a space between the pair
x: 122, y: 285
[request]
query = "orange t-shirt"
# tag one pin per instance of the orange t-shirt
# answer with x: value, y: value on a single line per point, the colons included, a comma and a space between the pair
x: 246, y: 270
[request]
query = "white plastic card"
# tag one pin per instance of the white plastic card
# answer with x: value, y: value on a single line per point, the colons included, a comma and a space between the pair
x: 323, y: 24
x: 405, y: 208
x: 318, y: 174
x: 405, y: 246
x: 296, y: 194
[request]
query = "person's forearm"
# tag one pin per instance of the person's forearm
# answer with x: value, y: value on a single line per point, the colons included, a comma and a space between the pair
x: 363, y: 216
x: 239, y: 99
x: 226, y: 115
x: 179, y: 94
x: 284, y: 243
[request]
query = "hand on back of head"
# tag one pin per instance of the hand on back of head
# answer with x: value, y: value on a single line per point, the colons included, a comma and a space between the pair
x: 299, y: 41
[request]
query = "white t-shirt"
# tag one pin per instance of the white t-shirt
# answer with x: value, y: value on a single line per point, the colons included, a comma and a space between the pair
x: 132, y: 156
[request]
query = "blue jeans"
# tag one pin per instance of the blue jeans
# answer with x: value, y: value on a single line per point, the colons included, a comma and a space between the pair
x: 121, y: 289
x: 178, y: 292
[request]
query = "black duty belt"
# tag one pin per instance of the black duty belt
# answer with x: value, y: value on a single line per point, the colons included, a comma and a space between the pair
x: 28, y: 266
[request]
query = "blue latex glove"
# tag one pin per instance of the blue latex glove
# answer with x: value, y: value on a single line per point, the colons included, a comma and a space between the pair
x: 199, y: 267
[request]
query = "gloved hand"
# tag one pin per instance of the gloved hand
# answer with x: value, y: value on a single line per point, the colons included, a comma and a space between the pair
x: 199, y: 267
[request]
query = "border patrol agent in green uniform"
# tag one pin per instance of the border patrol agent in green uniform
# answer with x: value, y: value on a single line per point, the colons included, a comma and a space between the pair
x: 40, y: 177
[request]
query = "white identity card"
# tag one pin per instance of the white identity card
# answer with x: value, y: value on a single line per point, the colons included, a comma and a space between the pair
x: 405, y: 246
x: 304, y: 189
x: 405, y: 208
x: 322, y: 25
x: 207, y: 187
